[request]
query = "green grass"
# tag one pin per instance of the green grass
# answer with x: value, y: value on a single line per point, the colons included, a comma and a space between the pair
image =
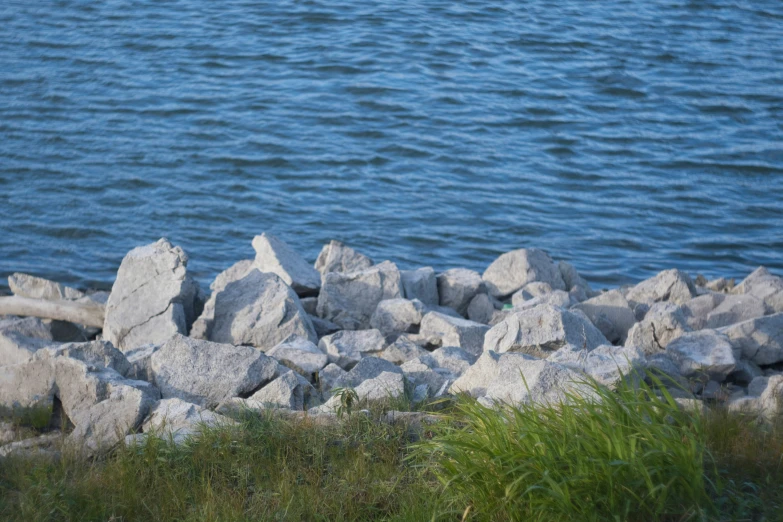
x: 632, y: 456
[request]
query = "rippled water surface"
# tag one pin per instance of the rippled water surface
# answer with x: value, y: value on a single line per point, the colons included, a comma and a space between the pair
x: 624, y: 136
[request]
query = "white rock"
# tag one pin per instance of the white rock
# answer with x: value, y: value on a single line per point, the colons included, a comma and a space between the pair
x: 698, y: 309
x: 175, y: 419
x: 275, y: 256
x: 21, y: 338
x: 259, y: 310
x: 457, y: 287
x: 393, y: 317
x: 555, y: 298
x: 207, y: 373
x: 26, y: 285
x: 287, y: 391
x: 575, y: 284
x: 422, y: 371
x: 421, y: 284
x: 765, y: 286
x: 611, y: 314
x: 367, y: 368
x: 387, y: 385
x: 703, y: 353
x: 328, y: 377
x: 660, y: 326
x: 338, y: 257
x: 203, y: 325
x: 735, y: 309
x: 513, y: 270
x: 453, y: 331
x: 348, y: 347
x: 300, y: 355
x: 541, y: 331
x: 670, y: 285
x: 517, y: 378
x: 349, y: 300
x: 759, y: 340
x: 484, y: 309
x: 401, y: 350
x: 152, y: 299
x: 607, y: 364
x: 140, y: 360
x: 454, y: 359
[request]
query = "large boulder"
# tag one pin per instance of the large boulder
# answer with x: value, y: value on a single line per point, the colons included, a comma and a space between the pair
x: 759, y: 340
x: 541, y: 331
x: 259, y: 310
x: 348, y: 347
x: 401, y: 350
x: 663, y: 323
x: 608, y: 365
x: 513, y: 270
x: 672, y: 285
x: 349, y: 300
x: 153, y: 297
x: 454, y: 331
x: 703, y: 354
x: 765, y: 286
x: 421, y: 284
x: 457, y: 287
x: 21, y: 338
x: 275, y: 256
x: 207, y: 373
x: 611, y: 314
x: 26, y: 285
x: 203, y: 326
x: 698, y: 309
x: 300, y: 355
x: 287, y: 391
x: 517, y: 378
x: 735, y: 309
x: 393, y: 317
x: 338, y: 257
x: 175, y: 419
x: 368, y: 368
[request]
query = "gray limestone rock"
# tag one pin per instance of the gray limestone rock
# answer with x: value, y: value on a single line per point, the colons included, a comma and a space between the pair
x: 660, y: 326
x: 703, y: 353
x: 203, y: 326
x: 513, y: 270
x: 759, y: 340
x: 672, y: 286
x: 348, y: 347
x: 765, y: 286
x: 421, y: 284
x: 259, y: 310
x: 21, y: 338
x: 608, y: 365
x: 401, y: 350
x: 26, y: 285
x: 611, y: 314
x: 453, y: 331
x: 338, y: 257
x: 207, y: 373
x: 349, y: 300
x: 457, y: 287
x: 300, y: 355
x: 275, y: 256
x: 393, y: 317
x: 454, y: 359
x: 152, y: 299
x: 175, y: 419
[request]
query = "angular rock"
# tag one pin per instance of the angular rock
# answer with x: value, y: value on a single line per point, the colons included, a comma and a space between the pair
x: 42, y: 446
x: 203, y: 326
x: 140, y: 360
x: 348, y: 347
x: 759, y: 340
x: 152, y: 299
x: 453, y: 331
x: 703, y: 353
x: 672, y: 286
x: 575, y: 284
x: 21, y: 338
x: 421, y: 284
x: 513, y: 270
x: 535, y: 289
x: 95, y: 353
x: 772, y: 397
x: 457, y: 287
x: 422, y: 371
x: 454, y: 359
x: 765, y: 286
x: 275, y: 256
x: 387, y: 385
x: 660, y: 326
x: 735, y: 309
x: 611, y: 314
x: 300, y: 355
x: 349, y: 300
x: 393, y: 317
x: 207, y: 373
x: 401, y: 350
x: 367, y: 368
x: 175, y: 419
x: 284, y: 392
x: 259, y: 310
x: 328, y: 377
x: 517, y: 378
x: 608, y: 365
x: 33, y: 287
x: 481, y: 309
x: 323, y: 327
x: 698, y: 309
x: 338, y: 257
x: 556, y: 298
x: 541, y: 331
x: 744, y: 372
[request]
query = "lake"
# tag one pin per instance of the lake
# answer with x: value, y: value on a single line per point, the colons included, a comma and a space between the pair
x: 625, y: 137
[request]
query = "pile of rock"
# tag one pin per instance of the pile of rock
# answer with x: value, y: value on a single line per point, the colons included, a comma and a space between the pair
x: 278, y: 332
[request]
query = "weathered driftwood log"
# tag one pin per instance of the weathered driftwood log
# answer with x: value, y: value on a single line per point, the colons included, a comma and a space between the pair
x: 88, y: 314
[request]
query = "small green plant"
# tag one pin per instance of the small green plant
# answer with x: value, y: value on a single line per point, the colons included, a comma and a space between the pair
x: 348, y: 399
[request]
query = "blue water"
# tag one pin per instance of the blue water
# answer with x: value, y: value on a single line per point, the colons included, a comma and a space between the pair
x: 624, y: 136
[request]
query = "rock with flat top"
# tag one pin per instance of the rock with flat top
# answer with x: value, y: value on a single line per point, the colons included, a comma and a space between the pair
x: 705, y: 353
x: 26, y: 285
x: 421, y: 284
x: 300, y: 355
x: 338, y: 257
x: 673, y: 286
x: 608, y: 365
x: 367, y: 368
x: 259, y: 310
x: 276, y: 257
x: 393, y: 317
x: 153, y: 297
x: 401, y: 350
x: 541, y: 331
x: 453, y: 331
x: 21, y: 338
x: 735, y: 309
x: 759, y: 340
x: 513, y: 270
x: 348, y: 347
x: 286, y: 391
x: 350, y: 299
x: 207, y: 373
x: 765, y: 286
